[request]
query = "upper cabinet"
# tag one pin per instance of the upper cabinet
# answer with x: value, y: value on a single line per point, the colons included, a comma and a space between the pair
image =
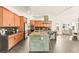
x: 17, y: 20
x: 8, y: 18
x: 11, y: 19
x: 22, y: 21
x: 5, y: 17
x: 1, y: 15
x: 40, y: 23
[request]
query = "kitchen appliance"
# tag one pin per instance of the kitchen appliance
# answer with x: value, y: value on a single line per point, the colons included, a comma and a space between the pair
x: 3, y: 43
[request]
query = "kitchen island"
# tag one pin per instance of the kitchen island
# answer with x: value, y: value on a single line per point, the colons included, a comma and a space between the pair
x: 39, y: 42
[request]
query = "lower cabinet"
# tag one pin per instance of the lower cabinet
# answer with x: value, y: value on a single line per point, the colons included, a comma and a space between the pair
x: 17, y: 38
x: 11, y: 42
x: 7, y: 42
x: 21, y: 35
x: 39, y: 43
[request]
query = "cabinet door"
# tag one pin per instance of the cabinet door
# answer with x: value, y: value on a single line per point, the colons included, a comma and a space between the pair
x: 19, y: 37
x: 5, y: 17
x: 11, y: 19
x: 1, y: 15
x: 11, y: 42
x: 16, y: 39
x: 8, y: 18
x: 22, y: 35
x: 17, y: 20
x: 21, y: 23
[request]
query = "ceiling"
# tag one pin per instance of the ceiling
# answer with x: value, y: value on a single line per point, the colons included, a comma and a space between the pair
x: 38, y: 10
x: 48, y: 10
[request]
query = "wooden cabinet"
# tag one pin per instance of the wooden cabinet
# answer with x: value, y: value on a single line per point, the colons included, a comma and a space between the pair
x: 18, y: 37
x: 11, y: 42
x: 22, y: 35
x: 5, y: 17
x: 40, y: 23
x: 1, y: 15
x: 7, y: 42
x: 22, y: 21
x: 14, y: 39
x: 8, y: 18
x: 17, y: 20
x: 11, y: 19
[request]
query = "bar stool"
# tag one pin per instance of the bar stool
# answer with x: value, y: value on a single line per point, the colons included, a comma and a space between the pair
x: 75, y: 36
